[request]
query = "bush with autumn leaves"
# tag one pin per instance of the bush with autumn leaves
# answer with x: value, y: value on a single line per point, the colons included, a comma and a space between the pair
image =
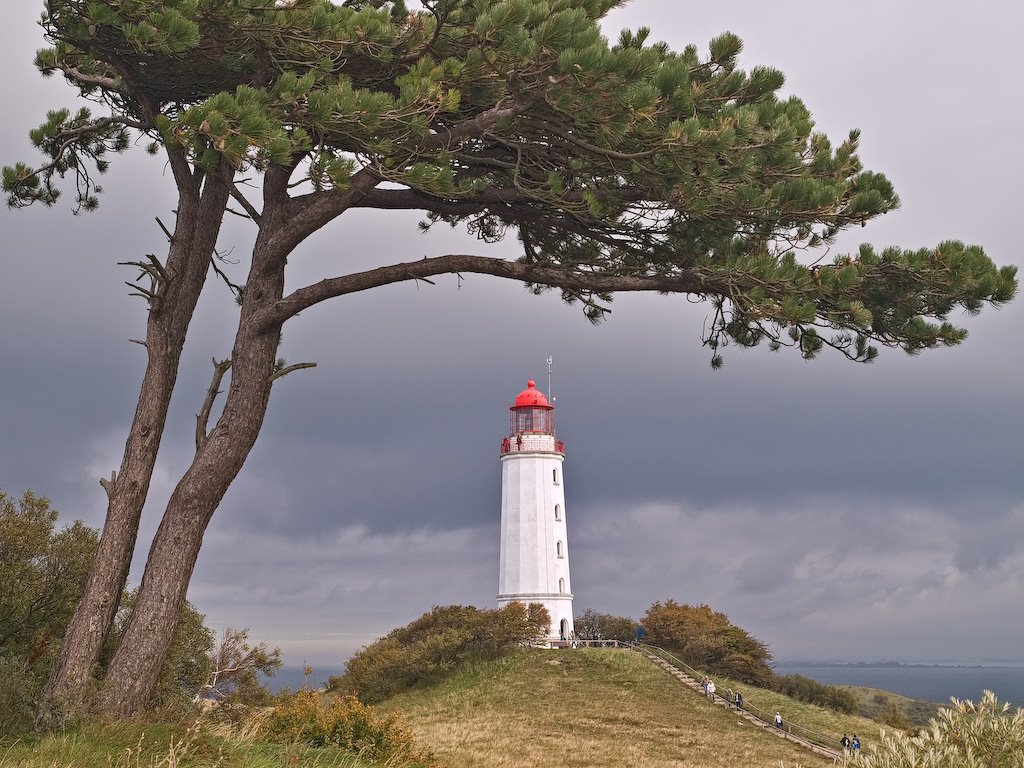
x: 346, y: 723
x: 706, y: 640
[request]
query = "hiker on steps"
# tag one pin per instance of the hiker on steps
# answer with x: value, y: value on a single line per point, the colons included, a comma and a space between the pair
x: 711, y: 690
x: 778, y: 721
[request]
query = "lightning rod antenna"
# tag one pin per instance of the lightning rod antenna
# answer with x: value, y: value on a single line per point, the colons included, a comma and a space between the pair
x: 550, y: 393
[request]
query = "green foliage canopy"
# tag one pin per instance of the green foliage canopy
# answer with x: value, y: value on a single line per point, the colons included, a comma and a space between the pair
x: 42, y: 571
x: 620, y: 167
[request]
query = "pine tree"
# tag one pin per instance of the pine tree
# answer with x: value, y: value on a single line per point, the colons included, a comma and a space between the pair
x: 619, y: 167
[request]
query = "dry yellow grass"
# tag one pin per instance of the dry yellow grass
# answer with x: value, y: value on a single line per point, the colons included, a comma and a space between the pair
x: 584, y: 709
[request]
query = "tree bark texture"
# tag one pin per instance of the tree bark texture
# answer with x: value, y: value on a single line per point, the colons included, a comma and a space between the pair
x: 200, y: 212
x: 135, y: 668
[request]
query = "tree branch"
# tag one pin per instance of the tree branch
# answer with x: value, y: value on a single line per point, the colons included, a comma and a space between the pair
x: 692, y: 281
x: 203, y: 417
x: 414, y: 200
x: 289, y: 368
x: 473, y: 127
x: 309, y: 213
x: 81, y: 78
x: 108, y: 485
x: 241, y: 199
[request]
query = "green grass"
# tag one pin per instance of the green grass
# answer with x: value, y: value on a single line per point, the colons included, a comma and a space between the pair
x: 584, y: 708
x: 164, y: 745
x: 591, y: 708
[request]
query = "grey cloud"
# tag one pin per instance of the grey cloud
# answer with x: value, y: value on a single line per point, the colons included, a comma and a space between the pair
x: 831, y: 509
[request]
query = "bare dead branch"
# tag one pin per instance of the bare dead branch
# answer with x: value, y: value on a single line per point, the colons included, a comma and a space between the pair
x: 241, y: 199
x: 235, y: 288
x: 170, y: 237
x: 108, y: 485
x: 289, y: 368
x: 203, y: 417
x: 78, y: 76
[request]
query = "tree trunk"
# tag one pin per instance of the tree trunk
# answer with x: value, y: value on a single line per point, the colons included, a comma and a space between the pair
x: 135, y: 668
x: 192, y: 245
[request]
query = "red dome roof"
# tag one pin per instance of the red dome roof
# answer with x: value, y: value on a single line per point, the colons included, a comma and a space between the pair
x: 531, y: 397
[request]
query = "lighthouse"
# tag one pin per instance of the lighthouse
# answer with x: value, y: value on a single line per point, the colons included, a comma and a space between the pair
x: 534, y: 560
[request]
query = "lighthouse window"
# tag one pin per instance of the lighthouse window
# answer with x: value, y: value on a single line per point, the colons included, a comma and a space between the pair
x: 558, y: 512
x: 561, y: 585
x: 554, y: 476
x: 536, y: 420
x: 558, y: 549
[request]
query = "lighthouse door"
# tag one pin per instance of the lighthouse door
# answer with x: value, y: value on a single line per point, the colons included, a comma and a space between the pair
x: 563, y: 629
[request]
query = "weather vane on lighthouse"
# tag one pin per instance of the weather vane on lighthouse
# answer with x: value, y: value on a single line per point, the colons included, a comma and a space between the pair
x: 534, y: 554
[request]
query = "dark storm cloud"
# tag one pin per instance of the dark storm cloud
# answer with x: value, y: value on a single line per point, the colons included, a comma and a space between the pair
x: 816, y: 576
x: 833, y: 509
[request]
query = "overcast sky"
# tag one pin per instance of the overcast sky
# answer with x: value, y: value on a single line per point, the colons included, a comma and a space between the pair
x: 835, y: 510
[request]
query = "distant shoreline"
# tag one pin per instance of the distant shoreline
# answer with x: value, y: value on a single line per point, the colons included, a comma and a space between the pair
x: 929, y: 682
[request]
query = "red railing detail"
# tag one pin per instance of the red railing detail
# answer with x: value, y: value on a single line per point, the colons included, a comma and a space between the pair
x: 508, y: 447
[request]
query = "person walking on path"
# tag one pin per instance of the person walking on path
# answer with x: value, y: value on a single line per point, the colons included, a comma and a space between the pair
x: 711, y: 690
x: 738, y: 701
x: 855, y: 744
x: 778, y: 722
x: 845, y: 742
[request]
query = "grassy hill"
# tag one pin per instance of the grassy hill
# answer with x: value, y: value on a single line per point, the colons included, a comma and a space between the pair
x: 596, y: 707
x: 871, y: 702
x: 584, y: 708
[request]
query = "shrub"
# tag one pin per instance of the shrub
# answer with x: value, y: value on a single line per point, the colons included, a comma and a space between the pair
x: 437, y: 644
x: 42, y: 574
x: 592, y: 625
x: 233, y: 680
x: 18, y: 689
x: 345, y: 723
x: 894, y: 716
x: 811, y: 691
x: 707, y: 640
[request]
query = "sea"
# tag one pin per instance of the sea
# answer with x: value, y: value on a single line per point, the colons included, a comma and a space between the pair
x: 931, y: 682
x: 294, y: 678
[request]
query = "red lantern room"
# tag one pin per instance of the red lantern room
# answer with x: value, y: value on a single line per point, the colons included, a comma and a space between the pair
x: 531, y: 413
x: 531, y: 424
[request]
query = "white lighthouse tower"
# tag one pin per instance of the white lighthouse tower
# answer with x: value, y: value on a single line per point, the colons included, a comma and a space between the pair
x: 534, y: 562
